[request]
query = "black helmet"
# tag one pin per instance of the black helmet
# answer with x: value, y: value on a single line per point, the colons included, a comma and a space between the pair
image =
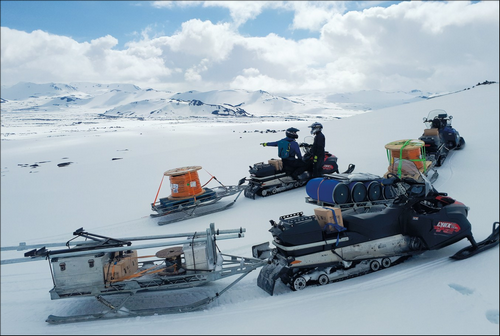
x: 316, y: 127
x: 292, y: 133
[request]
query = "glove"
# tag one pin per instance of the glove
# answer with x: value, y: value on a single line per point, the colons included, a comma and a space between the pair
x: 315, y: 159
x: 264, y: 144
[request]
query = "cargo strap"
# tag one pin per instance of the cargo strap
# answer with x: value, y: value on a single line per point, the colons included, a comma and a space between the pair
x: 335, y: 226
x: 400, y: 163
x: 319, y: 185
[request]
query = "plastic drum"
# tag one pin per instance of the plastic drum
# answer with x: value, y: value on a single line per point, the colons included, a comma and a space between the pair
x: 373, y: 190
x: 328, y: 190
x: 358, y: 191
x: 389, y: 192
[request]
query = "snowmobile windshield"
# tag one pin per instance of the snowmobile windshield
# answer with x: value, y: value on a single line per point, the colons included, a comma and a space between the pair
x: 428, y: 184
x: 306, y: 145
x: 437, y: 114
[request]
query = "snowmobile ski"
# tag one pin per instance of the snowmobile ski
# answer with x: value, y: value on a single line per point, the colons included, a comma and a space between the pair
x: 476, y: 248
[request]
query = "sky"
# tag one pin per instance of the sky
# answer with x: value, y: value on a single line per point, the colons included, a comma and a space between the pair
x: 428, y: 294
x: 275, y: 46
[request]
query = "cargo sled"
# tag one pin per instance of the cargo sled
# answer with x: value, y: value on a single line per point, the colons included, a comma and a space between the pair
x: 189, y: 198
x: 103, y: 267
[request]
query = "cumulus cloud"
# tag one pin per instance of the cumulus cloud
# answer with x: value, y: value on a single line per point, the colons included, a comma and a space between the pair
x: 431, y: 46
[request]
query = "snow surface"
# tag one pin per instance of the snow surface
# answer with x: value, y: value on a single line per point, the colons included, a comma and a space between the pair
x: 427, y: 294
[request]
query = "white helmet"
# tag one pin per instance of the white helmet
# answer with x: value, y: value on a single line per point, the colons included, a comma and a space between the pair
x: 316, y: 127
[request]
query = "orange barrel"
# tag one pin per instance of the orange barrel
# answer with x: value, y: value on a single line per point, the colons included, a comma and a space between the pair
x: 412, y: 151
x: 184, y: 182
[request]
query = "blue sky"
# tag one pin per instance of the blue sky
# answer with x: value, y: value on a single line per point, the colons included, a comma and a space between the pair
x: 88, y: 20
x: 268, y: 45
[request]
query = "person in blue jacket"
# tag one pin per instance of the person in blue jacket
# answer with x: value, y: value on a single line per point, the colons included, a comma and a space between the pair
x: 292, y: 161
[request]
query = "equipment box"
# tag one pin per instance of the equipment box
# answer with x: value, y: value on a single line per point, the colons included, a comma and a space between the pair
x: 262, y: 169
x: 79, y: 274
x: 196, y: 258
x: 121, y: 266
x: 329, y: 215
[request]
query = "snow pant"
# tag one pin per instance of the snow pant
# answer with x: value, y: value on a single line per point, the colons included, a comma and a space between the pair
x: 317, y: 169
x: 294, y: 167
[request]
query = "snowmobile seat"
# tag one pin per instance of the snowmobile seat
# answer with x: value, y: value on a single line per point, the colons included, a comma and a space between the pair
x: 374, y: 224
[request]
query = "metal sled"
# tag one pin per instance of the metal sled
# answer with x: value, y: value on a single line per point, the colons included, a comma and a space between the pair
x: 194, y: 200
x: 103, y: 267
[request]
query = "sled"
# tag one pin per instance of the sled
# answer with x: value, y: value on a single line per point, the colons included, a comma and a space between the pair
x: 105, y: 267
x: 195, y: 200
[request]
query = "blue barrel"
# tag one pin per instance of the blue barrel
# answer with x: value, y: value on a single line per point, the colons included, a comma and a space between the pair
x: 373, y: 190
x: 389, y: 192
x: 328, y: 190
x: 358, y: 191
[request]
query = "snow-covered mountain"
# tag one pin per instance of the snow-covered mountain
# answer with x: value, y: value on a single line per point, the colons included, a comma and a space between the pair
x: 127, y: 100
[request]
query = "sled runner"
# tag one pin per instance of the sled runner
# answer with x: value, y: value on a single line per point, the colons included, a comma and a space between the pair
x: 189, y: 199
x: 105, y: 267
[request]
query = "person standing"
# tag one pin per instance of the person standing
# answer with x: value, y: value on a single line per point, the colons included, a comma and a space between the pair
x: 317, y: 149
x: 289, y: 152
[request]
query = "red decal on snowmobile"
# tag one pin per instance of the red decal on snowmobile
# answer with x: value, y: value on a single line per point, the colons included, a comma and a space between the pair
x: 447, y: 227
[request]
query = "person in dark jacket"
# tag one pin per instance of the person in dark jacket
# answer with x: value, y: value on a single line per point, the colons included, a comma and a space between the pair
x: 293, y: 164
x: 317, y: 149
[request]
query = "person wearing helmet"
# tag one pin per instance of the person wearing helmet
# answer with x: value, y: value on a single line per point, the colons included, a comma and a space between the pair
x: 289, y: 152
x: 317, y: 149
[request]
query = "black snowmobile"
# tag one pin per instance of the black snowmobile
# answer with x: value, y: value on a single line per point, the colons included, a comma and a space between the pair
x: 365, y: 240
x: 270, y: 178
x: 440, y: 137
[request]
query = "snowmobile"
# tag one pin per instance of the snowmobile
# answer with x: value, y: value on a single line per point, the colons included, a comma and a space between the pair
x: 335, y: 244
x: 194, y: 200
x: 440, y: 137
x: 270, y: 178
x: 105, y: 267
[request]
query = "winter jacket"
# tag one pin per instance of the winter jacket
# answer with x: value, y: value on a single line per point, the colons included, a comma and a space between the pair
x: 318, y: 147
x: 294, y: 148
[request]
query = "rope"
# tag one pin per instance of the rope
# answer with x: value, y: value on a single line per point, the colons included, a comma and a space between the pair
x: 159, y: 189
x: 215, y: 178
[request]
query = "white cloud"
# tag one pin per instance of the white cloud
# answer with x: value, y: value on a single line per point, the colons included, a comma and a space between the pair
x: 409, y: 45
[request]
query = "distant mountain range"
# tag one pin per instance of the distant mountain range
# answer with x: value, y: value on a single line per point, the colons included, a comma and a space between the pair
x: 131, y: 101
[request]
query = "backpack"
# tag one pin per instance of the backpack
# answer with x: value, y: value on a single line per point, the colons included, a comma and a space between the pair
x: 283, y: 149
